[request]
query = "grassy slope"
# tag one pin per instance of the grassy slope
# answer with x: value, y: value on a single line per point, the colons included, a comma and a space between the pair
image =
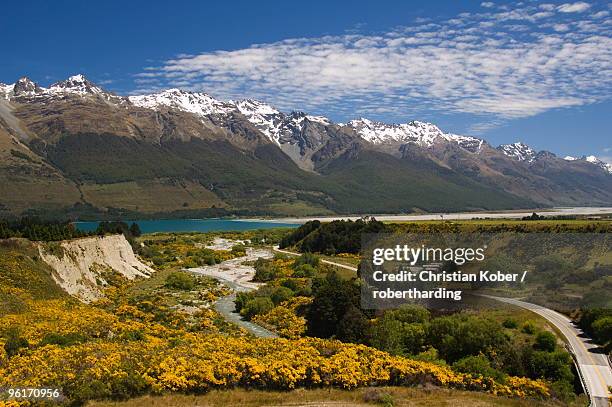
x: 413, y: 397
x: 381, y: 183
x: 265, y: 180
x: 24, y: 275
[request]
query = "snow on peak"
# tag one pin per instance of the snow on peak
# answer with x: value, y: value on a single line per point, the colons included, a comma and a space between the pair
x: 76, y: 84
x: 26, y: 87
x: 593, y: 160
x: 251, y: 107
x: 5, y: 90
x: 518, y: 151
x: 421, y: 133
x: 600, y: 163
x: 266, y: 118
x: 375, y: 132
x: 319, y: 119
x: 192, y: 102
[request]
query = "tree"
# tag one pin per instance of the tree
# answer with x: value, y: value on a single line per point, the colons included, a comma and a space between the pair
x: 457, y: 336
x: 602, y: 331
x: 135, y: 230
x: 546, y: 341
x: 353, y: 326
x: 550, y: 365
x: 332, y: 298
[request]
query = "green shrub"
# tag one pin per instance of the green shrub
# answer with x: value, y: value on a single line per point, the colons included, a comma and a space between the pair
x: 478, y: 365
x: 546, y: 341
x: 529, y: 328
x: 241, y: 300
x: 239, y: 250
x: 281, y: 294
x: 304, y: 270
x: 265, y: 270
x: 256, y: 306
x: 14, y: 342
x: 306, y: 258
x: 510, y: 323
x: 53, y: 338
x: 180, y: 281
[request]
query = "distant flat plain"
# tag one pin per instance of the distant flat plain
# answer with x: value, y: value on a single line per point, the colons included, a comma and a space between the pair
x: 514, y: 214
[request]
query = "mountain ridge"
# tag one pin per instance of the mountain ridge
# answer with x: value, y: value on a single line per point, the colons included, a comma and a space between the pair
x: 272, y: 122
x: 187, y: 152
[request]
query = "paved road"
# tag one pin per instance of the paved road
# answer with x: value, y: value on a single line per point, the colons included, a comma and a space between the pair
x: 456, y: 216
x: 593, y: 365
x: 344, y: 266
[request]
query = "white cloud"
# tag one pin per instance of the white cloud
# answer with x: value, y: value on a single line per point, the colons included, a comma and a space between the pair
x: 505, y: 64
x: 487, y: 4
x: 561, y: 27
x: 577, y: 7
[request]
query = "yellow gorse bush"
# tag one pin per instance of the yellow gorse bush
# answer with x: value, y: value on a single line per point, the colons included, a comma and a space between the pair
x: 283, y: 318
x: 202, y: 362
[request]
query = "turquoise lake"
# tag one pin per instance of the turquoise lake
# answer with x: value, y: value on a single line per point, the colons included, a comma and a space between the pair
x: 193, y: 225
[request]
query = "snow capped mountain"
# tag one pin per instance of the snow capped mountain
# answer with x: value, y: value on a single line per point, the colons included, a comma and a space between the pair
x: 76, y: 84
x: 518, y: 151
x: 416, y: 132
x: 279, y: 127
x: 266, y: 118
x: 5, y: 90
x: 199, y: 103
x: 26, y: 87
x: 288, y: 130
x: 593, y: 160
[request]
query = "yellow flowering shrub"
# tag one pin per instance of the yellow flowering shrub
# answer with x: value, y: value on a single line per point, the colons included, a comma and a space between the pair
x: 197, y: 363
x: 123, y: 346
x: 283, y: 318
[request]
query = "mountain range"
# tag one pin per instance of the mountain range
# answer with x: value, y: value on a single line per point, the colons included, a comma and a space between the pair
x: 75, y: 149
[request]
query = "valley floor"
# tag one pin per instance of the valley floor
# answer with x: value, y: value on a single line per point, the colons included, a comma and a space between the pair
x: 514, y: 214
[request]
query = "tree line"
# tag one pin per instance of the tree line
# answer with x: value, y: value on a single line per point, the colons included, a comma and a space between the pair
x: 339, y: 236
x: 36, y: 229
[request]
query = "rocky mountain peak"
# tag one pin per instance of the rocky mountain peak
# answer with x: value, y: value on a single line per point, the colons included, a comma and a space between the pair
x: 76, y: 84
x: 593, y: 160
x: 518, y: 151
x: 25, y: 86
x: 192, y: 102
x: 416, y: 132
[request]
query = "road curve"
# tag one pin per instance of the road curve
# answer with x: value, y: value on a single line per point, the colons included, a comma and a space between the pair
x: 591, y: 361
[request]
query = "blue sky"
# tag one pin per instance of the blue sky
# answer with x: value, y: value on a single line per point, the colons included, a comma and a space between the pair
x: 538, y: 72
